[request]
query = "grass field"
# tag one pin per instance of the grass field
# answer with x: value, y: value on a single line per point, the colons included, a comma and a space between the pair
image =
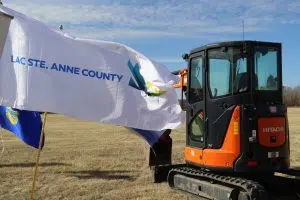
x: 84, y: 160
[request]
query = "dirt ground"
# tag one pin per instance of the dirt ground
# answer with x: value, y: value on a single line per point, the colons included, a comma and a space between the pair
x: 85, y: 160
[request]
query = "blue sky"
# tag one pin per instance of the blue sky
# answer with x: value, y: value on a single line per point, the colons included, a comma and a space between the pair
x: 164, y: 29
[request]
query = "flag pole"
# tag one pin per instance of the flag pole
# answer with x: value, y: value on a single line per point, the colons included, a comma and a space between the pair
x: 33, y: 190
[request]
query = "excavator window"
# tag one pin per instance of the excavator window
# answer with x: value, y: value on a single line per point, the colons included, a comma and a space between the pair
x: 198, y: 127
x: 266, y: 68
x: 219, y: 77
x: 228, y: 72
x: 240, y: 79
x: 196, y: 80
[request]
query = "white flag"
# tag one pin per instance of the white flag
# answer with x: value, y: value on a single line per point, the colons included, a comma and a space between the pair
x: 46, y: 70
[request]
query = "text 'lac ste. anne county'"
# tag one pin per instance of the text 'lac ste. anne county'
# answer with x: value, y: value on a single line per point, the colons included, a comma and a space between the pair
x: 31, y: 62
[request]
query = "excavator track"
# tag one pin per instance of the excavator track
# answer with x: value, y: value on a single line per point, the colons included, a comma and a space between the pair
x: 215, y: 186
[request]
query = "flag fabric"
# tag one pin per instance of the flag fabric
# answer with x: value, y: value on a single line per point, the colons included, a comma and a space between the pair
x: 151, y: 137
x: 26, y: 125
x: 46, y: 70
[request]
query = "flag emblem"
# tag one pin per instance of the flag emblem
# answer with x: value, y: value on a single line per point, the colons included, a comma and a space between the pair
x: 12, y: 116
x: 26, y: 125
x: 138, y: 82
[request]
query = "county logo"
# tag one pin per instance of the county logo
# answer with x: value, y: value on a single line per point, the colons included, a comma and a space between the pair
x: 138, y: 82
x: 12, y: 116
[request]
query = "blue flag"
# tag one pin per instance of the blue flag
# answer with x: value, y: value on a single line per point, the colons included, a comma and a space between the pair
x: 150, y: 136
x: 26, y: 125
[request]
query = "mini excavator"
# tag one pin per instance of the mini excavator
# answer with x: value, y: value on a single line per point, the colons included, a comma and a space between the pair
x: 237, y: 134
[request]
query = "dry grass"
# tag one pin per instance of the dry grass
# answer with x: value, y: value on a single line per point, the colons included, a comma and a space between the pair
x: 84, y: 160
x: 294, y: 125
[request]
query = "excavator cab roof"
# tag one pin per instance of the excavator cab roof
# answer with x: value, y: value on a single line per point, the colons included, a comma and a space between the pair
x: 235, y: 43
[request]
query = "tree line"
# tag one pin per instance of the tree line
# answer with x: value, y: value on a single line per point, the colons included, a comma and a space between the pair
x: 291, y: 96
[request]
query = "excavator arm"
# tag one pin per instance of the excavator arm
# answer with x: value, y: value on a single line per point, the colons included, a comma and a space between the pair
x: 182, y: 84
x: 183, y: 79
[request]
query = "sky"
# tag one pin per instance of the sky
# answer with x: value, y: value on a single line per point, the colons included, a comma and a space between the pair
x: 165, y: 29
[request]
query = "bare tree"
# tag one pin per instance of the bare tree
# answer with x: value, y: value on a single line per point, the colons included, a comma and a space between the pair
x: 291, y: 96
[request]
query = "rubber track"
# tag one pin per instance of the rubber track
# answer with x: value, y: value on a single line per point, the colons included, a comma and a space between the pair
x: 253, y: 189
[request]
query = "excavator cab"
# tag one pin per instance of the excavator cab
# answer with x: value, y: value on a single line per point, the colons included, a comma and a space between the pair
x: 235, y: 117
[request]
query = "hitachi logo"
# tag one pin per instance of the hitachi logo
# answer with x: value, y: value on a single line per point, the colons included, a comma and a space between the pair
x: 273, y: 129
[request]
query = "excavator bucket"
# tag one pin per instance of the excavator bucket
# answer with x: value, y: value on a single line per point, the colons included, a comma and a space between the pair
x: 160, y: 157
